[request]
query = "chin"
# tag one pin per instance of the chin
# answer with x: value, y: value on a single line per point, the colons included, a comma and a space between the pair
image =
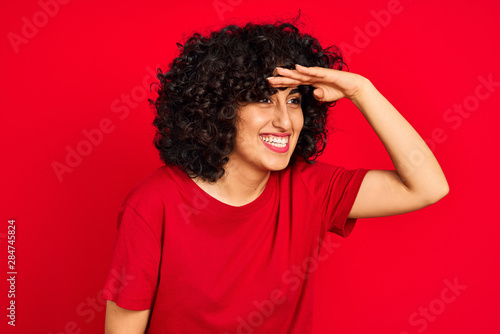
x: 278, y: 165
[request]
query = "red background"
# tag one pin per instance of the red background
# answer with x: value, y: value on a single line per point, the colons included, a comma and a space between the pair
x: 69, y: 75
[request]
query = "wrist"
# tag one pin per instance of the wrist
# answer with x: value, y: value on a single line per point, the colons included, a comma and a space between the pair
x: 362, y: 89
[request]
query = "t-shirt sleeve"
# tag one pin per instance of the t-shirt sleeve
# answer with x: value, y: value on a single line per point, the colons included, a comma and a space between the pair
x: 342, y: 186
x: 133, y: 277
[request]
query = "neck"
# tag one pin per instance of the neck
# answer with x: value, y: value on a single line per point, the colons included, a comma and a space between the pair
x: 237, y: 187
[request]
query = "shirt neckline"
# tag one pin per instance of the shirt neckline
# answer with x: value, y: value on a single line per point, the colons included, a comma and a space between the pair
x: 226, y: 209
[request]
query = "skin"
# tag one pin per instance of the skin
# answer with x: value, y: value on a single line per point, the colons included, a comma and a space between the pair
x: 413, y: 184
x: 251, y: 162
x: 246, y: 177
x: 382, y: 193
x: 122, y: 321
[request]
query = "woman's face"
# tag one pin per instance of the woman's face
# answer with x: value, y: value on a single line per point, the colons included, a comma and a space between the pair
x: 267, y: 132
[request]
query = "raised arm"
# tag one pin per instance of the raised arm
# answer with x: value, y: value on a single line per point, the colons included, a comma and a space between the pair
x: 415, y: 183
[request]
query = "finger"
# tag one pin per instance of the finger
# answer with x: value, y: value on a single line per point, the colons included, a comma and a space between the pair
x: 284, y: 81
x: 316, y: 71
x: 294, y: 74
x: 319, y: 94
x: 288, y: 80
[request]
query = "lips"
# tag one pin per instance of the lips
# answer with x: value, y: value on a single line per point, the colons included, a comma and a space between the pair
x: 277, y: 147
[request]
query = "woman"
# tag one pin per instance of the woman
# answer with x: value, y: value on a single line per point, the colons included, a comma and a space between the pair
x: 225, y: 237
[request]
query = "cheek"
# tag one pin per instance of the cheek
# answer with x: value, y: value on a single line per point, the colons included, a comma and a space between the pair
x: 245, y: 135
x: 299, y: 120
x: 253, y: 126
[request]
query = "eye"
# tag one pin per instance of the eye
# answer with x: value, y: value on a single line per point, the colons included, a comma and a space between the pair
x: 296, y: 100
x: 267, y: 100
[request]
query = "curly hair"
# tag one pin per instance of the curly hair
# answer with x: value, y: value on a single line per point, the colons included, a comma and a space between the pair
x: 198, y: 98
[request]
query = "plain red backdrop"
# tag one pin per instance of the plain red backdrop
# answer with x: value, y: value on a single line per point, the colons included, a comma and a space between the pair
x: 69, y: 71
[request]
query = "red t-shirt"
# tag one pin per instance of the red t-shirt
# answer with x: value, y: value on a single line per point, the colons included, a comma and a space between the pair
x: 204, y: 266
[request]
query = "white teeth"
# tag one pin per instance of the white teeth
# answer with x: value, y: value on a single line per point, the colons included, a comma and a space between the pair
x: 275, y: 141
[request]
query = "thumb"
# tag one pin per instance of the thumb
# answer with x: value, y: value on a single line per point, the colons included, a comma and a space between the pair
x: 319, y: 94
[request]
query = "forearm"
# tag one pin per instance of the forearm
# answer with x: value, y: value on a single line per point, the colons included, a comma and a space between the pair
x: 413, y: 160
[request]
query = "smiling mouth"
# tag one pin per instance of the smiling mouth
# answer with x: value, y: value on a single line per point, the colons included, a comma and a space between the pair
x: 275, y: 141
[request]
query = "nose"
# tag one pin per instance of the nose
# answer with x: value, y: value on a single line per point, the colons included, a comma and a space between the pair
x: 281, y: 117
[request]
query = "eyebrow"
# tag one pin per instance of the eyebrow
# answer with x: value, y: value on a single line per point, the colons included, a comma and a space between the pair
x: 293, y: 91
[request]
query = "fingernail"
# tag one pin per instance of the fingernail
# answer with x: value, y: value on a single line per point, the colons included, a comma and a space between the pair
x: 297, y: 65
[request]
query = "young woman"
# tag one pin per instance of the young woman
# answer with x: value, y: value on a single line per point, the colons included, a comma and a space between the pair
x: 225, y: 237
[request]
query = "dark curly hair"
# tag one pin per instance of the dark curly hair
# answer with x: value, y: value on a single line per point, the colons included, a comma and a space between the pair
x: 196, y: 108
